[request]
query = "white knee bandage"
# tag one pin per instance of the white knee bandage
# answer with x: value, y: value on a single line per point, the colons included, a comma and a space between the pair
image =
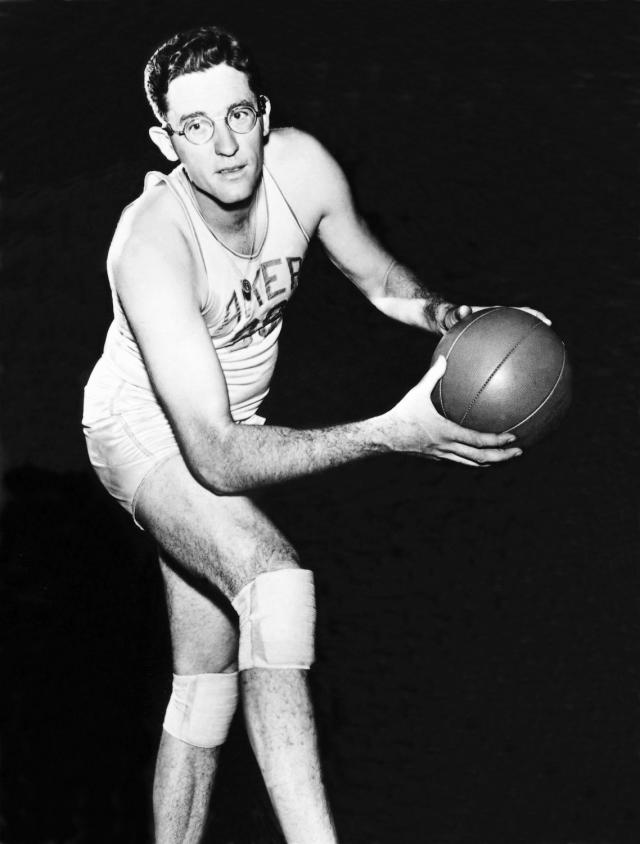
x: 201, y: 708
x: 277, y: 613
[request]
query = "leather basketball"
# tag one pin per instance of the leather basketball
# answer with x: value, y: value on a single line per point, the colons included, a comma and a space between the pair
x: 506, y: 371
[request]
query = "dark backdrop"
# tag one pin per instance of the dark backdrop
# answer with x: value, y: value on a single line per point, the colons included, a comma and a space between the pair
x: 478, y: 639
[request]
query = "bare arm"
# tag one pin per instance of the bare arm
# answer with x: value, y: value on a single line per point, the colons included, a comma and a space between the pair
x: 155, y: 278
x: 391, y: 287
x: 242, y: 457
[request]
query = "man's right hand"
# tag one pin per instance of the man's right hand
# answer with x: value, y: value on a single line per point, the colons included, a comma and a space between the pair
x: 415, y: 426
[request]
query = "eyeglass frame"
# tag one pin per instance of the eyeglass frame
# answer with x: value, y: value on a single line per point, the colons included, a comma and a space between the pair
x: 258, y: 110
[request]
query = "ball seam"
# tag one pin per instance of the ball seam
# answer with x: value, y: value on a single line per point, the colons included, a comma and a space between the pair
x: 480, y: 315
x: 535, y: 327
x: 546, y: 398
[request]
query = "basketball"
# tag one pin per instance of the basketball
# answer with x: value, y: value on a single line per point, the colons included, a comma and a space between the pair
x: 506, y: 371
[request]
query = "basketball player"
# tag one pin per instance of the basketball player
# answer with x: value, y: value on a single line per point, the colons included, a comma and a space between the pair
x: 201, y: 267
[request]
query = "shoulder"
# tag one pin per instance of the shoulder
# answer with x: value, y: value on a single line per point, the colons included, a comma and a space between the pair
x: 152, y: 228
x: 293, y: 151
x: 152, y: 257
x: 306, y: 170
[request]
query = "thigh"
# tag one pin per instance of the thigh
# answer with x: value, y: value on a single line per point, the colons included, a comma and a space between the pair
x: 227, y: 540
x: 127, y: 433
x: 204, y: 638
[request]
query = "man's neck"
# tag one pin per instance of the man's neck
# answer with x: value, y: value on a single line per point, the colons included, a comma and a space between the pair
x: 225, y: 218
x: 238, y: 226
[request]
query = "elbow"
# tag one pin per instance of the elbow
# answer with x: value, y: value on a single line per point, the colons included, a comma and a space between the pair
x: 223, y: 485
x: 213, y: 469
x: 214, y: 477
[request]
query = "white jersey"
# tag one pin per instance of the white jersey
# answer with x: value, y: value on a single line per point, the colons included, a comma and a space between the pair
x: 246, y: 295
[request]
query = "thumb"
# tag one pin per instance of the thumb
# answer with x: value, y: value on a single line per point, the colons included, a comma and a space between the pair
x: 454, y: 315
x: 434, y: 374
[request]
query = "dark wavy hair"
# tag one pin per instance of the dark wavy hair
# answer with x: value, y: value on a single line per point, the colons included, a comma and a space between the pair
x: 192, y: 51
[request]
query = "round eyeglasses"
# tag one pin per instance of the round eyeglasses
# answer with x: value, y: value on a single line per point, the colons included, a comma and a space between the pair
x: 240, y: 119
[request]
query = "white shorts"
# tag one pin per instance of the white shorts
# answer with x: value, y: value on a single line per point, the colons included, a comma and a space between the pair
x: 127, y: 432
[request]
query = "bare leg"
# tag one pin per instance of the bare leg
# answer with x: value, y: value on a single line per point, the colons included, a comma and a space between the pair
x: 204, y: 641
x: 182, y: 790
x: 228, y: 541
x: 282, y: 731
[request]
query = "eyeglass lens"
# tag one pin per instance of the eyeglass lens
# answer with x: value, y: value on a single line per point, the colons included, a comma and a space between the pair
x: 241, y: 119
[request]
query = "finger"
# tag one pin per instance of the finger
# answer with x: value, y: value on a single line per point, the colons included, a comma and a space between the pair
x: 537, y: 314
x: 478, y: 439
x: 484, y: 456
x: 434, y: 374
x: 456, y: 458
x: 454, y: 315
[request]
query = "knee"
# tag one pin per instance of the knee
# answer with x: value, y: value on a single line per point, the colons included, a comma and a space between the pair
x: 277, y: 612
x: 201, y: 708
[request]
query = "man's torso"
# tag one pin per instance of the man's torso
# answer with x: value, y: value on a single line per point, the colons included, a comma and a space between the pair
x: 242, y: 297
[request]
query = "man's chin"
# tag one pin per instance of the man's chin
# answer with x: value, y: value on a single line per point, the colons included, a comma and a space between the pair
x: 231, y: 196
x: 234, y: 201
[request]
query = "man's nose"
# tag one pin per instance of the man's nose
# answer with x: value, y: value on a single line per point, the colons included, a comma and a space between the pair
x: 225, y: 141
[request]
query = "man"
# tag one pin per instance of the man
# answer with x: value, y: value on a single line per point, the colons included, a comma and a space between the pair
x: 201, y: 267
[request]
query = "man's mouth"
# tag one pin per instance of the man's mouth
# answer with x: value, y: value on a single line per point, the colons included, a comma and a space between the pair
x: 229, y: 171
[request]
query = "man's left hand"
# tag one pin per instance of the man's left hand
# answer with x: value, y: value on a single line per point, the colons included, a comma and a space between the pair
x: 451, y: 314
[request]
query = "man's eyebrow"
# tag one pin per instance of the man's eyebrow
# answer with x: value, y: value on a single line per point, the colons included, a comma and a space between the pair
x: 204, y: 113
x: 191, y: 114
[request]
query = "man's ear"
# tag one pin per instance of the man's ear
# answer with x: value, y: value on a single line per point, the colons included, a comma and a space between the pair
x: 265, y: 117
x: 163, y: 142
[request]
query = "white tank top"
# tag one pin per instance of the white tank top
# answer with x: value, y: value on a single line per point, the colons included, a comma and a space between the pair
x: 246, y: 296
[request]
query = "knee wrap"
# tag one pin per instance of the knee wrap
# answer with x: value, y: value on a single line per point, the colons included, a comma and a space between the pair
x: 201, y: 708
x: 277, y: 613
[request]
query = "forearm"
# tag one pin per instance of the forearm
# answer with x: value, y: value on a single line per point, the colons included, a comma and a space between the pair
x: 247, y: 457
x: 402, y: 296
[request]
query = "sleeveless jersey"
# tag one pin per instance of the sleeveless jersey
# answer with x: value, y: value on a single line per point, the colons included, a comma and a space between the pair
x: 245, y: 298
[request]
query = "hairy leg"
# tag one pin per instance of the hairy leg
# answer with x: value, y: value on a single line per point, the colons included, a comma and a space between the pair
x: 204, y: 641
x: 282, y: 732
x: 227, y: 541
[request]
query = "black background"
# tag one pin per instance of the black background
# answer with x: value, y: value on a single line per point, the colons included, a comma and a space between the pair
x: 478, y: 634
